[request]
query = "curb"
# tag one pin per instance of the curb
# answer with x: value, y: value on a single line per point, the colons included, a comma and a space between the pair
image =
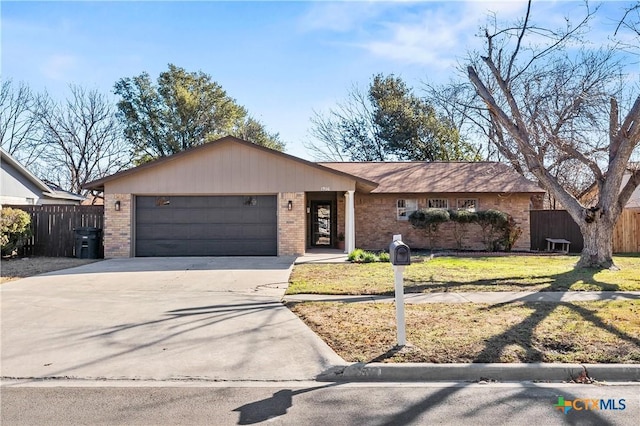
x: 418, y: 372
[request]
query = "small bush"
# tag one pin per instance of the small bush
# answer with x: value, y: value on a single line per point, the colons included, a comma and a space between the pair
x: 369, y: 257
x: 14, y: 229
x: 356, y: 255
x: 384, y: 257
x: 492, y: 223
x: 511, y: 233
x: 362, y: 256
x: 429, y: 220
x: 463, y: 216
x: 461, y: 220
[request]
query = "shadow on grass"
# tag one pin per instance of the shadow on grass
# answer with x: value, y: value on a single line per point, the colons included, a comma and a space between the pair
x: 557, y: 282
x: 584, y: 277
x: 522, y: 333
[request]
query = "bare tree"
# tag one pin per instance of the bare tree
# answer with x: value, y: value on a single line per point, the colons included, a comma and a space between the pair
x: 348, y: 131
x: 83, y: 139
x: 549, y: 102
x: 630, y: 20
x: 19, y: 130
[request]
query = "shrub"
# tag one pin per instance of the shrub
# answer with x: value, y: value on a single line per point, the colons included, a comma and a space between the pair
x: 511, y: 233
x: 492, y: 223
x: 429, y: 220
x: 384, y: 257
x: 369, y: 257
x: 362, y: 256
x: 14, y: 229
x: 461, y: 220
x: 356, y: 255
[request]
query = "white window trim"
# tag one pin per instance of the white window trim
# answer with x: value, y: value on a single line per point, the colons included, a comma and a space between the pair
x: 475, y: 203
x: 406, y: 209
x: 446, y: 200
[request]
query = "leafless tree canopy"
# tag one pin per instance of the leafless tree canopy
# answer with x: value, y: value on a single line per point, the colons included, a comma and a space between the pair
x: 19, y: 129
x: 347, y: 132
x: 82, y: 137
x: 552, y: 104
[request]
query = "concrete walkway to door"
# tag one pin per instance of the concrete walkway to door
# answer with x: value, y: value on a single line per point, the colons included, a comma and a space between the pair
x: 159, y: 319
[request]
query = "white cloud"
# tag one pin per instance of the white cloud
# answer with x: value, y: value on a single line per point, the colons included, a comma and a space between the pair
x: 436, y: 35
x: 342, y: 17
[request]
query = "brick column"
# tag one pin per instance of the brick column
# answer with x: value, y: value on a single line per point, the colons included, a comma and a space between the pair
x: 291, y: 223
x: 117, y: 226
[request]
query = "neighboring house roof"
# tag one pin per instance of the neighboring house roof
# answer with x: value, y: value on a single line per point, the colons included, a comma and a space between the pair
x: 48, y: 191
x: 634, y: 201
x: 589, y: 195
x: 439, y: 177
x: 362, y: 184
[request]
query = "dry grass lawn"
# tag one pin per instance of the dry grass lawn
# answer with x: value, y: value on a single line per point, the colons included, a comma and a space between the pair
x: 585, y: 332
x: 467, y: 274
x: 13, y: 269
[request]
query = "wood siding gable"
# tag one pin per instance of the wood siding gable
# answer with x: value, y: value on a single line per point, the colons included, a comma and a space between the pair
x: 227, y: 167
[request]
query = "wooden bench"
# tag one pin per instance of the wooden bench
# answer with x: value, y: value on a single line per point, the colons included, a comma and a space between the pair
x: 553, y: 242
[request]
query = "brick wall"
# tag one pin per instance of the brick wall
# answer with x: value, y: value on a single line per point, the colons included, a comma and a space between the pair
x: 376, y: 221
x: 117, y: 226
x: 291, y: 224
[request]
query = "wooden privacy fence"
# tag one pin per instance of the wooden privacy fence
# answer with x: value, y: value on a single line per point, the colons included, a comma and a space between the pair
x: 554, y: 224
x: 626, y: 235
x: 53, y: 228
x: 558, y: 224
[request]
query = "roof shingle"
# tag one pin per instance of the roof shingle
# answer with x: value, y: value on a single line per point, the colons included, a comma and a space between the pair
x: 439, y: 177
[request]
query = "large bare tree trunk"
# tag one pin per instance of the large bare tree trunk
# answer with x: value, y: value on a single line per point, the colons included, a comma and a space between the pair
x: 598, y: 243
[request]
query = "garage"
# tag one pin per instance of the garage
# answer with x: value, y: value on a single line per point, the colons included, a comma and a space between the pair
x: 206, y: 225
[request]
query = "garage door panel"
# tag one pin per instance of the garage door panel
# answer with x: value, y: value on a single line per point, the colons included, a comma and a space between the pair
x: 206, y: 226
x: 170, y: 247
x: 205, y: 216
x: 205, y: 231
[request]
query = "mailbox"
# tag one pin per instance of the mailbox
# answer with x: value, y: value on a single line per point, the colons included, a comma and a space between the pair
x: 399, y: 253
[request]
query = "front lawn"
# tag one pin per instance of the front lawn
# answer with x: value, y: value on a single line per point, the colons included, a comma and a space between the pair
x: 581, y: 332
x: 467, y: 274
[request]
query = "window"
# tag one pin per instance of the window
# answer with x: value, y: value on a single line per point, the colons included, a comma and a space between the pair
x: 405, y: 208
x: 438, y: 203
x: 250, y: 201
x: 470, y: 204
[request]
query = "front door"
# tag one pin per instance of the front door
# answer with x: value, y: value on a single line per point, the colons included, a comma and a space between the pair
x: 321, y: 231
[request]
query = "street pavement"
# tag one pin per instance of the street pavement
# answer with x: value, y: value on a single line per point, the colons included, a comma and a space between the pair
x: 313, y: 403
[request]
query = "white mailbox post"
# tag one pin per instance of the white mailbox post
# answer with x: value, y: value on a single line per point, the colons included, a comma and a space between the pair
x: 400, y: 256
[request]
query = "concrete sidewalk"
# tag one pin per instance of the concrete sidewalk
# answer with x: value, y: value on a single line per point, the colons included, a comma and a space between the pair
x: 496, y: 297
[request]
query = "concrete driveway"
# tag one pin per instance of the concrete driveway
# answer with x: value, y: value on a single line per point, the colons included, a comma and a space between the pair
x: 161, y: 318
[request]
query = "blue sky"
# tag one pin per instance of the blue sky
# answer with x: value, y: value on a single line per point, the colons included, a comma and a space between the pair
x: 281, y: 60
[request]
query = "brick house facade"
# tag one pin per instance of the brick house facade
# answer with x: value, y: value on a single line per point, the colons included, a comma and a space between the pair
x: 231, y: 197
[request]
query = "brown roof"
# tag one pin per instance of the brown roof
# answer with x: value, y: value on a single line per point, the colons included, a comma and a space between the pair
x: 437, y: 177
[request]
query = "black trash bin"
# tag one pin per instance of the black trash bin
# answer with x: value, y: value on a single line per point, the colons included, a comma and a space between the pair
x: 87, y: 242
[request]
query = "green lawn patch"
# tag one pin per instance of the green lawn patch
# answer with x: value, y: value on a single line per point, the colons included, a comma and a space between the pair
x: 581, y: 332
x: 467, y: 274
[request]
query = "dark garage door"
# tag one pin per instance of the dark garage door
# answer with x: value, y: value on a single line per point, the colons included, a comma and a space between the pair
x: 206, y: 226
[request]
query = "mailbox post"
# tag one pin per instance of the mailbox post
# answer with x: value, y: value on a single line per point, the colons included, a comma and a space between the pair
x: 400, y: 256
